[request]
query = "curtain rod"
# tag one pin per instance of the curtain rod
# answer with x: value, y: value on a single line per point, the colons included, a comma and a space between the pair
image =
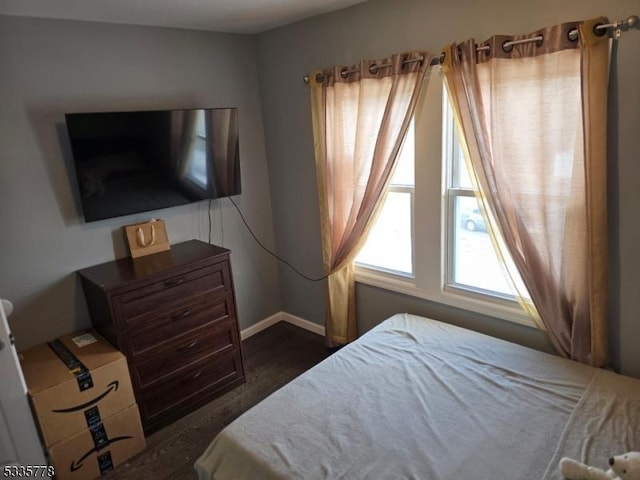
x: 620, y: 25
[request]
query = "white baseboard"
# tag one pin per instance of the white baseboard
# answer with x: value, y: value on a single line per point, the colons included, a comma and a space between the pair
x: 261, y: 325
x: 278, y: 317
x: 302, y: 323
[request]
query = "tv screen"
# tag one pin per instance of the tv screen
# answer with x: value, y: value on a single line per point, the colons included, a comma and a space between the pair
x: 130, y: 162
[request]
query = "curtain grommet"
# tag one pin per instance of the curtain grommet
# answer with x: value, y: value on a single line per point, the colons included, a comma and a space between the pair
x: 343, y: 73
x: 599, y: 32
x: 540, y: 43
x: 572, y: 34
x: 506, y: 48
x: 373, y: 69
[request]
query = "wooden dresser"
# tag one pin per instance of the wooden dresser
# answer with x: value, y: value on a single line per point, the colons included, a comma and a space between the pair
x: 173, y: 314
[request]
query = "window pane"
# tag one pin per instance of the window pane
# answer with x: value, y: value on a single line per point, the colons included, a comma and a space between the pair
x: 462, y: 178
x: 475, y: 263
x: 404, y: 172
x: 389, y: 243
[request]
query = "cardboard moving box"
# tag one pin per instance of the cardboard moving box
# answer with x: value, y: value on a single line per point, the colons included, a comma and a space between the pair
x: 99, y: 449
x: 74, y: 383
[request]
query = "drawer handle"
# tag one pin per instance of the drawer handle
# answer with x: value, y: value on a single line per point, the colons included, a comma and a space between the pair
x: 182, y: 315
x: 192, y: 377
x: 173, y: 282
x: 187, y: 347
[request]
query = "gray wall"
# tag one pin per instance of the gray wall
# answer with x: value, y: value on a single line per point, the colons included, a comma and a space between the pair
x: 49, y: 67
x: 379, y: 28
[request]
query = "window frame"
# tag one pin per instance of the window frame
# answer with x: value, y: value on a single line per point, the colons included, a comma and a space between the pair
x: 432, y: 247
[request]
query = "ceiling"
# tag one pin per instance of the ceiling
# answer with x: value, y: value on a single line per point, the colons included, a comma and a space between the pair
x: 233, y: 16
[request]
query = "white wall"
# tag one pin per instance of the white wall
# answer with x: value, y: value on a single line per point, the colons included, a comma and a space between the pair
x: 379, y: 28
x: 49, y: 67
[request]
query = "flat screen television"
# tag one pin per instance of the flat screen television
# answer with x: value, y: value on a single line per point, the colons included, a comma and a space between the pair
x: 130, y: 162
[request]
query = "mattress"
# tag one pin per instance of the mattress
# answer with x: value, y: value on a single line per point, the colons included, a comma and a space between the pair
x: 415, y: 398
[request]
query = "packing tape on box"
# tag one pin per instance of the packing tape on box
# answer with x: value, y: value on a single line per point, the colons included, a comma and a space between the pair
x: 92, y: 415
x: 105, y: 463
x: 75, y: 366
x: 104, y: 460
x: 99, y: 436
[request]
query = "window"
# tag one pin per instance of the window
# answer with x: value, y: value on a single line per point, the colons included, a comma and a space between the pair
x: 472, y: 263
x: 430, y: 239
x: 390, y: 244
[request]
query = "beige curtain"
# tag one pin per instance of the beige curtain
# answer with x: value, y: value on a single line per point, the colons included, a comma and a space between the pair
x: 360, y: 117
x: 533, y: 117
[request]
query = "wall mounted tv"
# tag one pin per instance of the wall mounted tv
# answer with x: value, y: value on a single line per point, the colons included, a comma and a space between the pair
x: 130, y: 162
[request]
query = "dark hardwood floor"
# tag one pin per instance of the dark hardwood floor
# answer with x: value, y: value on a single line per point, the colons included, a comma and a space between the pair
x: 272, y: 358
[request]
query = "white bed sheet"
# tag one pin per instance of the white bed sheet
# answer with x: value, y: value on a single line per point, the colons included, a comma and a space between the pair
x: 411, y: 399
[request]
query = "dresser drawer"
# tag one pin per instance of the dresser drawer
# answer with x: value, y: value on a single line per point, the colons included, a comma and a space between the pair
x: 151, y: 330
x: 202, y: 378
x: 184, y: 350
x: 163, y: 294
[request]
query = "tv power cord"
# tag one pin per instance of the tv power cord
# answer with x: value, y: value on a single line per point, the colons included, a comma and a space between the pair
x: 311, y: 279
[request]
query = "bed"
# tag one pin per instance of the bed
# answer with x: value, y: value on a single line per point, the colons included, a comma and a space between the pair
x: 415, y: 398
